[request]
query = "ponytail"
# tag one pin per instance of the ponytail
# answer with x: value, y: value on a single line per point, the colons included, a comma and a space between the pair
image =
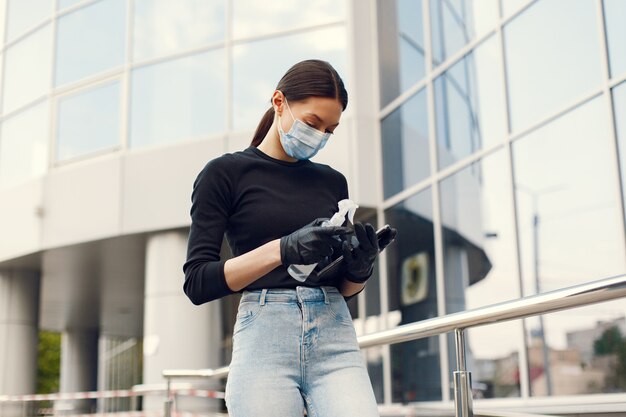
x: 263, y: 127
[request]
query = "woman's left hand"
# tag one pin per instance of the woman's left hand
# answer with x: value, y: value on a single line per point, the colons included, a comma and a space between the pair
x: 359, y: 253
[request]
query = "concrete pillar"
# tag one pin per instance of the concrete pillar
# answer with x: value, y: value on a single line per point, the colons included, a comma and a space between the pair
x: 19, y: 333
x: 177, y: 334
x: 79, y: 366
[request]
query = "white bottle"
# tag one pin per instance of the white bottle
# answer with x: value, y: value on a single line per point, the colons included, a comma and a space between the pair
x: 346, y: 206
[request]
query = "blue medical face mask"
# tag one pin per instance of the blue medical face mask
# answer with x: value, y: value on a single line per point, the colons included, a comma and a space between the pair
x: 302, y: 141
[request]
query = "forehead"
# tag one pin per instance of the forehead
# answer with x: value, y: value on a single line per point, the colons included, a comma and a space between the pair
x: 325, y: 108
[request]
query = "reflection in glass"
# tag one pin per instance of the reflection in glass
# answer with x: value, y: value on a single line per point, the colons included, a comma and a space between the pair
x: 567, y: 209
x: 27, y: 69
x: 284, y: 16
x: 90, y: 40
x: 614, y: 17
x: 24, y: 145
x: 180, y: 99
x: 544, y: 71
x: 480, y: 264
x: 470, y: 104
x: 401, y: 47
x: 416, y: 375
x: 25, y: 14
x: 404, y: 135
x: 89, y: 121
x: 253, y: 83
x: 454, y: 24
x: 164, y: 27
x: 619, y: 106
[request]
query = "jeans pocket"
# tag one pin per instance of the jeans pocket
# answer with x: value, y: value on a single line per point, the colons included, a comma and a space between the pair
x: 246, y: 314
x: 339, y: 310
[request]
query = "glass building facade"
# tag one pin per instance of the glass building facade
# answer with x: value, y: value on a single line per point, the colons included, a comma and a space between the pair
x: 500, y: 138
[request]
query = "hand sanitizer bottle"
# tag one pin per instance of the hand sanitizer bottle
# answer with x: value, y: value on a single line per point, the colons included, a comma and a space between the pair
x: 346, y: 207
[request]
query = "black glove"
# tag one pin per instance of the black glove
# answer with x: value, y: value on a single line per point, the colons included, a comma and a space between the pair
x: 310, y: 244
x: 359, y: 253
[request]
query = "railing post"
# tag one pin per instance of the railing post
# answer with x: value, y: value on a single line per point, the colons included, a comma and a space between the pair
x: 168, y: 400
x: 462, y: 379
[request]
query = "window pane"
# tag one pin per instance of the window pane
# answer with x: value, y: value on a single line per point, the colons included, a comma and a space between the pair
x: 90, y: 40
x: 24, y: 14
x: 253, y: 18
x: 415, y: 373
x: 405, y: 147
x: 178, y: 100
x: 27, y: 72
x: 511, y: 6
x: 164, y: 27
x: 480, y: 264
x: 24, y: 145
x: 89, y: 121
x: 3, y: 10
x: 568, y: 210
x: 615, y: 16
x: 401, y: 47
x: 456, y: 23
x: 470, y: 105
x: 63, y: 4
x: 619, y: 106
x: 546, y: 72
x: 253, y: 83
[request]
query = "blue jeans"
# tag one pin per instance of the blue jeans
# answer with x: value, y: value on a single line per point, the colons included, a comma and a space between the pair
x: 296, y: 349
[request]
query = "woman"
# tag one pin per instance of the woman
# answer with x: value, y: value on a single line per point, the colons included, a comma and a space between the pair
x: 294, y: 343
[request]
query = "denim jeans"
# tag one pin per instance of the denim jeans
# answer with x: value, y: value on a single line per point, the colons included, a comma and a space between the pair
x: 296, y: 349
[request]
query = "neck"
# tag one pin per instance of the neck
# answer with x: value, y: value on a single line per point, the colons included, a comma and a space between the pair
x: 271, y: 145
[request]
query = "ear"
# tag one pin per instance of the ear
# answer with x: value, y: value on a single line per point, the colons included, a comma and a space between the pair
x: 277, y: 101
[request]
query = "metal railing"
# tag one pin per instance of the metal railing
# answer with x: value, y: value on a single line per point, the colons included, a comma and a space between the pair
x: 576, y: 296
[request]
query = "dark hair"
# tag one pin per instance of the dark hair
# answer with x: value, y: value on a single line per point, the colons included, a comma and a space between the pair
x: 305, y: 79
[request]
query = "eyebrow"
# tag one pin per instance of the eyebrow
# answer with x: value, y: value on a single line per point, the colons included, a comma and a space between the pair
x: 319, y: 118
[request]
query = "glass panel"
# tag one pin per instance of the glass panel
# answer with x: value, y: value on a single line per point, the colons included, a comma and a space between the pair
x: 90, y: 40
x: 567, y: 208
x: 470, y: 105
x: 480, y: 263
x: 546, y: 72
x: 405, y: 148
x: 177, y: 100
x: 253, y: 84
x: 24, y: 145
x: 3, y: 10
x: 615, y: 16
x: 63, y: 4
x: 415, y: 371
x: 94, y: 114
x: 401, y: 47
x: 511, y: 6
x: 455, y: 23
x: 24, y: 14
x: 27, y: 71
x: 253, y: 18
x: 586, y: 348
x: 619, y: 106
x: 164, y: 27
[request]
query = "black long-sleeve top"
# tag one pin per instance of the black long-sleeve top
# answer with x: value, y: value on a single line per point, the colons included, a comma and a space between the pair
x: 252, y: 198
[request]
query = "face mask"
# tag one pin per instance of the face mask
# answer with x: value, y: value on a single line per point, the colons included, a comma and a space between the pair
x: 302, y: 141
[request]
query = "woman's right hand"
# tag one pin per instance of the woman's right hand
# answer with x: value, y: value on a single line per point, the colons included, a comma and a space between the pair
x: 310, y: 244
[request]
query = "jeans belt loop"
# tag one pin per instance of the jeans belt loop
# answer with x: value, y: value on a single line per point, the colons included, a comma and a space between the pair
x: 326, y: 301
x: 263, y: 293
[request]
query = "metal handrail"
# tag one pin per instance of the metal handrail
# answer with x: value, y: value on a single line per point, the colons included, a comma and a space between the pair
x: 563, y: 299
x: 576, y: 296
